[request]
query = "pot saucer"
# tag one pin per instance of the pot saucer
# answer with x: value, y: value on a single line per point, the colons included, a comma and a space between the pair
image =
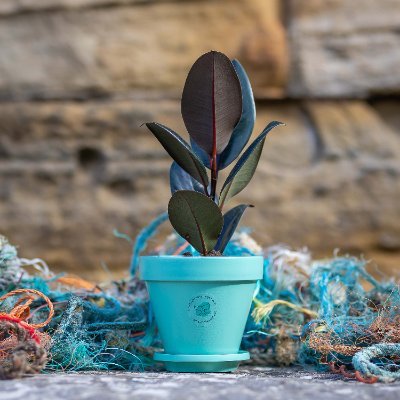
x: 202, y: 362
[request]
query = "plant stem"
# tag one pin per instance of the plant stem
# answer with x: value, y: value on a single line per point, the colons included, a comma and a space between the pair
x: 214, y: 176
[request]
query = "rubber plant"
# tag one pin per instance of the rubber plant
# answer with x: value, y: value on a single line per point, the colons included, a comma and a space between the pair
x: 219, y: 113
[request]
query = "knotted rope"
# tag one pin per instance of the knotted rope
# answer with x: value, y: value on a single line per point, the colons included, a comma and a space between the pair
x: 22, y: 347
x: 364, y: 363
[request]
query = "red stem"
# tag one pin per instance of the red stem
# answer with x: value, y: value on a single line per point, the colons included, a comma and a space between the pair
x: 214, y: 176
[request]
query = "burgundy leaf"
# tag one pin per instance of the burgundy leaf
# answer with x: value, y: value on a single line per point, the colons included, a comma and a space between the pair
x: 211, y: 102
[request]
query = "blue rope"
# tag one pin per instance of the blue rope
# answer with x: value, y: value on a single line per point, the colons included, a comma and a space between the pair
x: 141, y: 241
x: 366, y: 361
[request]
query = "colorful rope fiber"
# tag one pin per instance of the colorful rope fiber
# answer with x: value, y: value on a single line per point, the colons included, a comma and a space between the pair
x: 305, y: 311
x: 375, y: 362
x: 22, y: 346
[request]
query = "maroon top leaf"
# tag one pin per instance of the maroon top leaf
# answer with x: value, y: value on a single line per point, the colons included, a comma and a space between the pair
x: 211, y: 102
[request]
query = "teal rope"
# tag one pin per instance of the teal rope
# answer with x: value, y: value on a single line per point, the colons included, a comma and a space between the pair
x: 141, y: 240
x: 363, y: 361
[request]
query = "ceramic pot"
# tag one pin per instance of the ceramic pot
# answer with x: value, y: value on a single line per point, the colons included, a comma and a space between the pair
x: 201, y: 306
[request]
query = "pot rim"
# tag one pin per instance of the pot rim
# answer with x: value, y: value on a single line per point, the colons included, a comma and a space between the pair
x: 200, y: 268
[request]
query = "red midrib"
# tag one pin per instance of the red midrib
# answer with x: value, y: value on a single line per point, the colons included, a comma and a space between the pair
x: 214, y: 152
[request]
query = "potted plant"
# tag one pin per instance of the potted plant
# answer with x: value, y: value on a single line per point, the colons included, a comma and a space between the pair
x: 201, y: 301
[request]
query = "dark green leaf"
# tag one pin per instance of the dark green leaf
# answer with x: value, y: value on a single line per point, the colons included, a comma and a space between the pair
x: 211, y: 102
x: 180, y: 180
x: 231, y: 221
x: 180, y: 151
x: 196, y: 218
x: 244, y: 169
x: 243, y: 130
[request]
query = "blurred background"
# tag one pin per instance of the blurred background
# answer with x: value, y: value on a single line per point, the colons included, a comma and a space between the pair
x: 79, y: 77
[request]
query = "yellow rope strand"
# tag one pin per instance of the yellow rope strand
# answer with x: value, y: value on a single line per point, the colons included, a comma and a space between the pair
x: 262, y: 310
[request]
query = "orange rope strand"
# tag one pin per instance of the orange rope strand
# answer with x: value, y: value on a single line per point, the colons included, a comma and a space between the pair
x: 21, y: 308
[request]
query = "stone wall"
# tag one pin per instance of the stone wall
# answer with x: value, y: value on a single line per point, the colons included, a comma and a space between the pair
x: 79, y: 77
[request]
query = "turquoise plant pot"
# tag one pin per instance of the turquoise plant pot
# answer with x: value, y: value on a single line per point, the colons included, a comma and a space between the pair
x: 201, y: 306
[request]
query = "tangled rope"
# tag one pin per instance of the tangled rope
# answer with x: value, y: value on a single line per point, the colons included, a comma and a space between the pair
x: 362, y: 362
x: 20, y: 353
x: 304, y: 312
x: 22, y: 347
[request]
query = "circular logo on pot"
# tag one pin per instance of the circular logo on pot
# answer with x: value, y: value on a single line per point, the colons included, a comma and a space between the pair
x: 202, y: 309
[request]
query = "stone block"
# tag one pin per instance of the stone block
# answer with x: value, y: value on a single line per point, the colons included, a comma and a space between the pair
x: 344, y: 48
x: 88, y: 49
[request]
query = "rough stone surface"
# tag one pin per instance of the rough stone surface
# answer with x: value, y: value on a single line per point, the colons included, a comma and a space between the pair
x: 72, y: 172
x: 9, y: 7
x: 99, y: 51
x: 84, y: 48
x: 251, y: 384
x: 388, y: 110
x: 344, y: 48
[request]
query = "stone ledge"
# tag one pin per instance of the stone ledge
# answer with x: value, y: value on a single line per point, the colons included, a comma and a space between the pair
x: 245, y: 384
